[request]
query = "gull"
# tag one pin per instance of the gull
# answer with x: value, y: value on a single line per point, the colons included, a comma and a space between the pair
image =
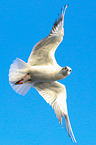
x: 42, y: 72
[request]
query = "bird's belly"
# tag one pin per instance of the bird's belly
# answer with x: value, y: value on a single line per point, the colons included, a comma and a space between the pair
x: 44, y: 76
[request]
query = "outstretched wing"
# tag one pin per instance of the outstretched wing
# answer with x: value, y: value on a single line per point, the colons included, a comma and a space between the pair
x: 55, y: 94
x: 43, y: 51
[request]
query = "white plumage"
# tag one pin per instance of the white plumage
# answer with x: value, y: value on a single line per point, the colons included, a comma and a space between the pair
x: 42, y: 72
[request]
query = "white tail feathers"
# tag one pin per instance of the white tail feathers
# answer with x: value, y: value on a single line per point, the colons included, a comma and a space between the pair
x: 17, y: 71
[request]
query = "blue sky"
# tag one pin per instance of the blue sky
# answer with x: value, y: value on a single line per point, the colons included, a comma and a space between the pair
x: 29, y: 120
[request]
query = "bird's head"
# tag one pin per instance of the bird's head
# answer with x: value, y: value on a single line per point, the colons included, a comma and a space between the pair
x: 66, y: 71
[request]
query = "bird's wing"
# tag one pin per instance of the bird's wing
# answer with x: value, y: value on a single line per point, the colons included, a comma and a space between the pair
x: 55, y: 94
x: 43, y: 51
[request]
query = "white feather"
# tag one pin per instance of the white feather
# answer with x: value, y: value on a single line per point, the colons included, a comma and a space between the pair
x: 17, y: 71
x: 43, y: 51
x: 55, y: 94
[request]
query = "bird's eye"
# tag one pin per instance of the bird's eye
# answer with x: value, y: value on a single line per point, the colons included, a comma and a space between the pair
x: 65, y: 67
x: 70, y: 70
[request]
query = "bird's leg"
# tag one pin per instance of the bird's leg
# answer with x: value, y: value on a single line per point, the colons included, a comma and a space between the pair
x: 20, y: 81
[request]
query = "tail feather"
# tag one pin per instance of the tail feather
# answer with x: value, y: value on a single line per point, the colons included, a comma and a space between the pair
x: 21, y: 89
x: 17, y: 71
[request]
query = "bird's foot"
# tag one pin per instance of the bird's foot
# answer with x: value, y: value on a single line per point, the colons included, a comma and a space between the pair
x: 22, y: 80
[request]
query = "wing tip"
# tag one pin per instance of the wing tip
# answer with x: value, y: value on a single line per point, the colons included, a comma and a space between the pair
x: 69, y: 129
x: 60, y: 18
x: 66, y: 124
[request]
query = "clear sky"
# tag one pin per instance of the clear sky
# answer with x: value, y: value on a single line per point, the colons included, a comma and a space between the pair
x: 29, y: 120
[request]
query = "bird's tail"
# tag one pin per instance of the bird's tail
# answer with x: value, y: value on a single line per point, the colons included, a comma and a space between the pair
x: 18, y: 70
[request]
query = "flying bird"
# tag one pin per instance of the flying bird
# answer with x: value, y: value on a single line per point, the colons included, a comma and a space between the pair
x: 42, y: 72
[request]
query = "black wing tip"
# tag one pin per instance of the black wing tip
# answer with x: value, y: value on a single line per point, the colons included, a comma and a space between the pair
x: 64, y: 6
x: 60, y: 18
